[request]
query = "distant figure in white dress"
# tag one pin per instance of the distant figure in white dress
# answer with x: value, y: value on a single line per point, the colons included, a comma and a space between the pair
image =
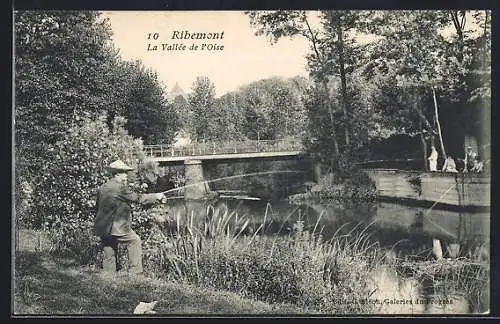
x: 433, y: 159
x: 449, y: 165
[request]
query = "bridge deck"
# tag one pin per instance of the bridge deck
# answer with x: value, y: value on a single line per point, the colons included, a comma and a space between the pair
x: 225, y: 151
x: 229, y: 156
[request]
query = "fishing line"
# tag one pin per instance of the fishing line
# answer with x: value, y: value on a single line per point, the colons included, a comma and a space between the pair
x: 434, y: 204
x: 230, y: 177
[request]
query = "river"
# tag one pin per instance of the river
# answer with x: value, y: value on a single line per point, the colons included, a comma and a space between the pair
x: 407, y: 230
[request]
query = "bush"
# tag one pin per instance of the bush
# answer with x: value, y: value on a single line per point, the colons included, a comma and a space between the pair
x: 64, y: 198
x: 356, y: 187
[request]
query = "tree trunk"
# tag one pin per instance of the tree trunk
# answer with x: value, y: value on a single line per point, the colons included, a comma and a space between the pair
x: 424, y: 146
x: 334, y: 135
x: 486, y: 15
x: 437, y: 122
x: 343, y: 83
x: 328, y: 103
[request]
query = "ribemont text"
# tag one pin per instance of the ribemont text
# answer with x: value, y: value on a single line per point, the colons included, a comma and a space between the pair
x: 176, y: 34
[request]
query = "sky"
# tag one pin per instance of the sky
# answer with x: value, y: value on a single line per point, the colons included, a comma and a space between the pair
x: 245, y: 57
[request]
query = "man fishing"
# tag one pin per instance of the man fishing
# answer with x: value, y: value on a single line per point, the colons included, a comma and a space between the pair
x: 112, y: 222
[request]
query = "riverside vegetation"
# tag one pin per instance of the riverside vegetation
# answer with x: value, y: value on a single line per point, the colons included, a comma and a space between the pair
x: 217, y: 249
x: 297, y: 272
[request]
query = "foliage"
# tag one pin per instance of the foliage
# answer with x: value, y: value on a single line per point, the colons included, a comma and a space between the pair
x: 433, y: 62
x: 181, y: 106
x: 273, y: 107
x: 451, y: 277
x: 67, y: 68
x: 201, y: 103
x: 301, y: 268
x: 388, y: 83
x: 62, y: 62
x: 266, y: 109
x: 65, y: 194
x: 55, y: 284
x: 143, y: 103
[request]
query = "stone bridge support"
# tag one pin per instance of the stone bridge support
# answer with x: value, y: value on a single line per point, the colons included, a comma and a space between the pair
x: 317, y: 168
x: 196, y: 185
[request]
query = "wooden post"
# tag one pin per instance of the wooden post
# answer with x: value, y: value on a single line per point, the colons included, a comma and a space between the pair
x: 436, y: 249
x: 437, y: 122
x: 453, y: 250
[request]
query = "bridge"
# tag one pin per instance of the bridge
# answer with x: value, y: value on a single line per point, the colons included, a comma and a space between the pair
x: 227, y: 151
x: 193, y: 156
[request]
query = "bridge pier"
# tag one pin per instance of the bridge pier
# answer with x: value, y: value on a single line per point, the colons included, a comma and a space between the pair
x: 196, y: 185
x: 317, y: 167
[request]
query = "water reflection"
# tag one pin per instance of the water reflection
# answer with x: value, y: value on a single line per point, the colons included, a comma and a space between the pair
x: 407, y: 230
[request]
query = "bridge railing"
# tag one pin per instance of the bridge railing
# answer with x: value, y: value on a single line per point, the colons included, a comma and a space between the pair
x: 233, y: 147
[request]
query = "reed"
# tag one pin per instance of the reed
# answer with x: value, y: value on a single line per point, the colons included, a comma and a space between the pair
x: 300, y: 267
x: 452, y: 277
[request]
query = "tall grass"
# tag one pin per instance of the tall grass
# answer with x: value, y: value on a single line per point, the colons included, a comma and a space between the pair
x: 335, y: 276
x: 452, y: 277
x: 301, y: 267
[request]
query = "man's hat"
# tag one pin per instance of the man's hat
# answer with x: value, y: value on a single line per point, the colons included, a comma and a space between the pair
x: 118, y: 165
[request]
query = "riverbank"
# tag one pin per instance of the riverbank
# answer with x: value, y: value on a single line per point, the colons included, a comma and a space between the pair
x: 359, y: 188
x: 296, y: 273
x: 46, y: 283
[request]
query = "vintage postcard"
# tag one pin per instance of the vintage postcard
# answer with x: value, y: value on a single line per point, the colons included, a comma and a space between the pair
x: 242, y: 163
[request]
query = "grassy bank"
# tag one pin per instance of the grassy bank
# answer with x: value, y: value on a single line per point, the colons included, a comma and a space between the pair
x: 46, y: 283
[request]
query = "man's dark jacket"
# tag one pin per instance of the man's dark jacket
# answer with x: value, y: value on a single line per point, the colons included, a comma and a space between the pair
x: 113, y: 208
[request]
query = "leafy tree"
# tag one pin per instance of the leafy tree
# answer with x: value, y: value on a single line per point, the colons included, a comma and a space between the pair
x: 406, y: 79
x: 426, y: 67
x: 61, y: 63
x: 201, y: 102
x: 233, y: 116
x: 143, y: 103
x: 65, y: 193
x: 333, y: 53
x: 273, y: 107
x: 181, y: 106
x: 258, y: 105
x: 66, y: 68
x: 64, y: 197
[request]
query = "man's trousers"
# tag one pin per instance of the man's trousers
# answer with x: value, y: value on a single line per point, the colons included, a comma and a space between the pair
x: 134, y: 250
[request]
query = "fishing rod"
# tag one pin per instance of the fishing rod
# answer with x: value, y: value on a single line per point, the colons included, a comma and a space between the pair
x: 230, y: 177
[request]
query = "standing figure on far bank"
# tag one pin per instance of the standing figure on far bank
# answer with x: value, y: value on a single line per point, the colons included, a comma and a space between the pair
x: 433, y: 159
